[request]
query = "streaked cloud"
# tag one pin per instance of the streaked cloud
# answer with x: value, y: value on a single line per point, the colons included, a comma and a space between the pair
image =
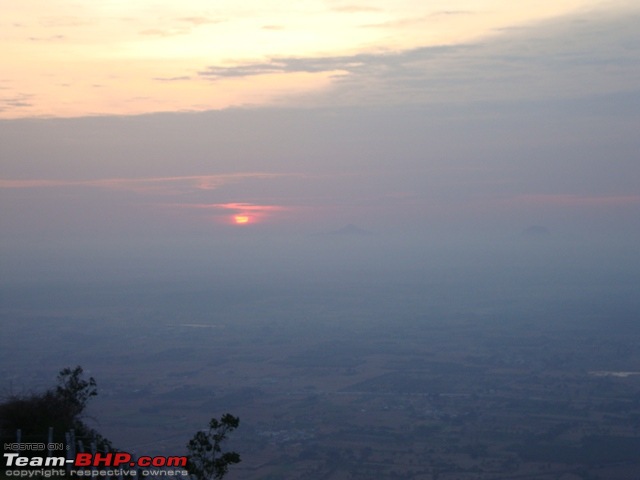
x: 355, y: 9
x: 173, y: 79
x: 512, y: 114
x: 233, y: 206
x: 235, y: 212
x: 15, y: 101
x: 157, y: 32
x: 571, y: 200
x: 565, y: 58
x: 164, y: 185
x: 52, y: 38
x: 401, y: 23
x: 197, y: 21
x: 533, y: 62
x: 351, y: 64
x: 246, y: 207
x: 264, y: 53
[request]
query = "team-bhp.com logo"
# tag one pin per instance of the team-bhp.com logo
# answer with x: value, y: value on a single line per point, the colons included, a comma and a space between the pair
x: 95, y: 465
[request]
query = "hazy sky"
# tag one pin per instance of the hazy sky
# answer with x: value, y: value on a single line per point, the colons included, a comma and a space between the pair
x: 160, y: 118
x: 71, y: 58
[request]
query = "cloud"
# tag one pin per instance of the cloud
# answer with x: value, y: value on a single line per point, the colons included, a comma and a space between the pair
x: 249, y: 212
x: 356, y: 9
x: 575, y: 56
x: 52, y: 38
x: 200, y: 20
x: 412, y: 21
x: 163, y: 185
x: 20, y: 100
x: 570, y: 57
x: 277, y: 65
x: 446, y: 13
x: 172, y: 79
x: 246, y: 207
x: 181, y: 26
x: 158, y: 32
x: 570, y: 200
x: 66, y: 22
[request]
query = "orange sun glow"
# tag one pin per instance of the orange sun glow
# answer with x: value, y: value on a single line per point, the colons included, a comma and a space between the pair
x: 241, y: 219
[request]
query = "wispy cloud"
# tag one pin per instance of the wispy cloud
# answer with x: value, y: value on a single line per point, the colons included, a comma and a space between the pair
x: 160, y: 32
x: 236, y: 212
x: 446, y: 13
x: 200, y: 20
x: 180, y: 26
x: 535, y: 62
x: 349, y: 63
x: 52, y: 38
x: 420, y: 19
x: 165, y: 185
x: 172, y: 79
x: 65, y: 21
x: 20, y: 100
x: 356, y: 9
x: 570, y: 200
x: 246, y: 207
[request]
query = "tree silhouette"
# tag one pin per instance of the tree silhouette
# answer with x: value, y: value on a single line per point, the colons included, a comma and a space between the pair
x: 74, y: 391
x: 60, y: 408
x: 206, y: 459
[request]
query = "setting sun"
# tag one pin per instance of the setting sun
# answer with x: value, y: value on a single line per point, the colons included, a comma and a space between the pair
x: 241, y: 219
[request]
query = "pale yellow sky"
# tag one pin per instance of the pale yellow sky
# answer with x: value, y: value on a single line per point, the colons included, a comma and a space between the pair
x: 72, y: 58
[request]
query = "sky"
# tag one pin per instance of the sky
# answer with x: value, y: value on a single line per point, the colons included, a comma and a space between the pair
x: 71, y: 58
x: 165, y: 121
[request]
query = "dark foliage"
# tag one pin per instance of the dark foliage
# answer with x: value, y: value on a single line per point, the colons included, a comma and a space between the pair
x: 60, y: 408
x: 206, y: 459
